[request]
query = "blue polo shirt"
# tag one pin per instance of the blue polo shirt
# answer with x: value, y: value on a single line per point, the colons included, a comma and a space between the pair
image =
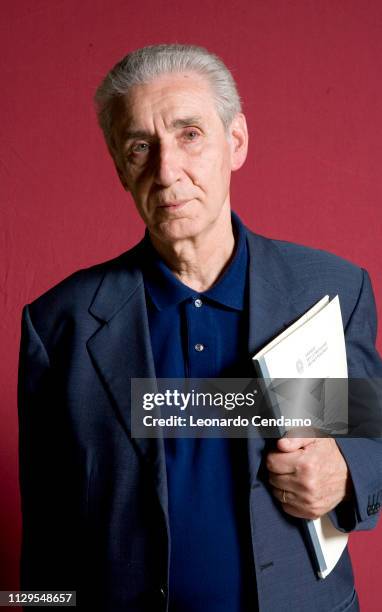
x: 205, y: 335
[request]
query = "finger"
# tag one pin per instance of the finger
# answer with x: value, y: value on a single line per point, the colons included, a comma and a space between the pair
x: 283, y: 463
x: 290, y: 482
x: 283, y: 495
x: 279, y: 494
x: 284, y: 482
x: 287, y: 445
x: 292, y: 505
x: 299, y: 512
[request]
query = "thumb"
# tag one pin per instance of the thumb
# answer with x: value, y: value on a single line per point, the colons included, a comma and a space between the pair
x: 288, y: 445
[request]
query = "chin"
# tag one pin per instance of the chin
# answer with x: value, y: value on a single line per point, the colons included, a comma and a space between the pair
x: 173, y: 230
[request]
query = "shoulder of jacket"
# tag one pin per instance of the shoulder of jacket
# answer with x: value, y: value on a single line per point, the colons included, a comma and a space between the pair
x: 306, y: 260
x: 80, y: 286
x: 309, y: 272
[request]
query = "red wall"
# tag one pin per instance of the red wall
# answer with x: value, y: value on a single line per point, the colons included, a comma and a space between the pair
x: 310, y: 76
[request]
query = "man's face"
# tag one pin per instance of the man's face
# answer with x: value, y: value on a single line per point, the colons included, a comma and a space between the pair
x: 174, y: 155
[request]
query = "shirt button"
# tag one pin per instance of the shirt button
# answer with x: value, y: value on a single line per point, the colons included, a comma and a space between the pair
x: 198, y: 303
x: 199, y: 347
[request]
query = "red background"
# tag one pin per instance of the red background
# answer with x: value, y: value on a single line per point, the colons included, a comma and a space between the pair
x: 309, y: 73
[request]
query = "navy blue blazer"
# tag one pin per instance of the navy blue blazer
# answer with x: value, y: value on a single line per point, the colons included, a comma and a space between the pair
x: 94, y: 500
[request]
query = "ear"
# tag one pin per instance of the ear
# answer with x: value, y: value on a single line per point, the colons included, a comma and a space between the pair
x: 238, y: 134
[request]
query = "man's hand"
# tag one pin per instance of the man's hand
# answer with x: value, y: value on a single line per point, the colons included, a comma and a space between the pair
x: 309, y: 476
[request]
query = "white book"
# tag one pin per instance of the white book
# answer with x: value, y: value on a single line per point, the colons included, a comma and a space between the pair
x: 313, y: 347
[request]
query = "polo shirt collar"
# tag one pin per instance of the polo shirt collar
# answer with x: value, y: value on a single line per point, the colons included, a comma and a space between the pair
x: 166, y: 290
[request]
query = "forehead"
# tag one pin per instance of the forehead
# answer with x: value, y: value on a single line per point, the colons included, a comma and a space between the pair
x: 166, y: 98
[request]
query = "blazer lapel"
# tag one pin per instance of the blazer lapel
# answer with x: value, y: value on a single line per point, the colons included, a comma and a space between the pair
x: 121, y: 350
x: 273, y: 305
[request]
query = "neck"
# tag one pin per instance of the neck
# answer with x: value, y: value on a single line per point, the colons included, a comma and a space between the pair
x: 199, y: 261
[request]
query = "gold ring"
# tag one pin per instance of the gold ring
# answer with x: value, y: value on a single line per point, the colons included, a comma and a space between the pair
x: 284, y: 498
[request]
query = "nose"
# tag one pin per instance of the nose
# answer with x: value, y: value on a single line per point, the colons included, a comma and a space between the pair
x: 167, y: 170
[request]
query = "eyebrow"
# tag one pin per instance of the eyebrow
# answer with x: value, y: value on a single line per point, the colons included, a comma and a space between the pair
x: 176, y: 124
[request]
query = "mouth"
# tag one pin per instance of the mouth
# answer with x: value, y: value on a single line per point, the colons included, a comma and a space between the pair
x: 173, y: 205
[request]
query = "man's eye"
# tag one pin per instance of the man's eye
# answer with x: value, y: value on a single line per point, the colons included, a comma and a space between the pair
x: 140, y: 147
x: 191, y: 135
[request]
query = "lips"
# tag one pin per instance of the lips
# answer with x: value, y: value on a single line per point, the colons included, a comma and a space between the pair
x: 173, y: 204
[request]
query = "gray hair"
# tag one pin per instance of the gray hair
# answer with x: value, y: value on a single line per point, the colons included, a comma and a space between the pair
x: 144, y: 65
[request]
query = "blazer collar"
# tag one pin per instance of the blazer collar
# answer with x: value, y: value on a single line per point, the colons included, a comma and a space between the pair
x: 123, y: 277
x: 274, y: 290
x: 121, y: 350
x: 273, y: 305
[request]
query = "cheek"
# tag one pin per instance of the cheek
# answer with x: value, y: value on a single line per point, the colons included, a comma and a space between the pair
x: 216, y: 163
x: 139, y: 186
x: 208, y: 169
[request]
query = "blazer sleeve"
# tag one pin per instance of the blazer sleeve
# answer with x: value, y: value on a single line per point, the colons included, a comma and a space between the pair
x: 363, y: 455
x: 46, y: 561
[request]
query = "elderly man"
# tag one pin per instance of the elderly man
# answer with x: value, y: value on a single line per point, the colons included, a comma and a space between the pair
x: 182, y: 525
